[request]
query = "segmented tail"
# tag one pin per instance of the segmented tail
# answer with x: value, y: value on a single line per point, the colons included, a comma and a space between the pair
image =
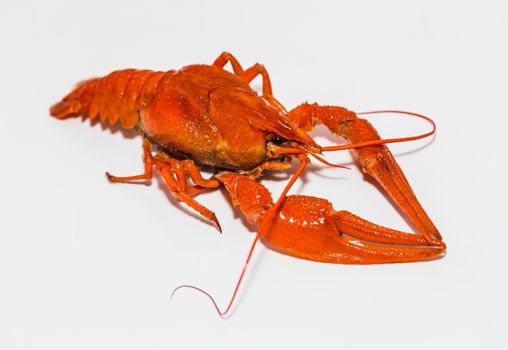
x: 116, y: 97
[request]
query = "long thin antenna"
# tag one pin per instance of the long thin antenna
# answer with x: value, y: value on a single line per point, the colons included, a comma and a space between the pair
x: 238, y: 283
x: 385, y: 141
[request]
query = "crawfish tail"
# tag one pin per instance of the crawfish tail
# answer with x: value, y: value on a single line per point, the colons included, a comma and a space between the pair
x: 117, y: 96
x: 71, y: 104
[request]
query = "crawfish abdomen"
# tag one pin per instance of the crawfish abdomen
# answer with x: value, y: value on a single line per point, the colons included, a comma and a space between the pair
x: 115, y: 97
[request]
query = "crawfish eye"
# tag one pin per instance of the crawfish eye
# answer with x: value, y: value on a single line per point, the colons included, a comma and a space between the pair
x: 275, y: 139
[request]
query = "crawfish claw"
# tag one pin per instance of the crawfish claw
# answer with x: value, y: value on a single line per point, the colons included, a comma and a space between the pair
x: 308, y: 228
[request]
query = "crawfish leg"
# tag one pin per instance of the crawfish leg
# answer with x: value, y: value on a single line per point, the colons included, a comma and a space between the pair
x: 253, y: 72
x: 176, y: 187
x: 166, y: 166
x: 376, y: 161
x: 187, y: 166
x: 147, y: 160
x: 246, y: 75
x: 226, y: 57
x: 196, y: 177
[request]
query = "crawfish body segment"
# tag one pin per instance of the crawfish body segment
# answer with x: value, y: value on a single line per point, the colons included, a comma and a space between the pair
x: 116, y: 97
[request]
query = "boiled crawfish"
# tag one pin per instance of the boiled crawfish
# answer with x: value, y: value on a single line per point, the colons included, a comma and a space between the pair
x: 203, y: 115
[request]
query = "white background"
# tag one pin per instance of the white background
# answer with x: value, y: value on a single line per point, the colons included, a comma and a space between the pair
x: 85, y: 264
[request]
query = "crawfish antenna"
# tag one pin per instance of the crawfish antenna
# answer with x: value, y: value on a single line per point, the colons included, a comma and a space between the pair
x: 385, y: 141
x: 324, y: 161
x: 223, y: 314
